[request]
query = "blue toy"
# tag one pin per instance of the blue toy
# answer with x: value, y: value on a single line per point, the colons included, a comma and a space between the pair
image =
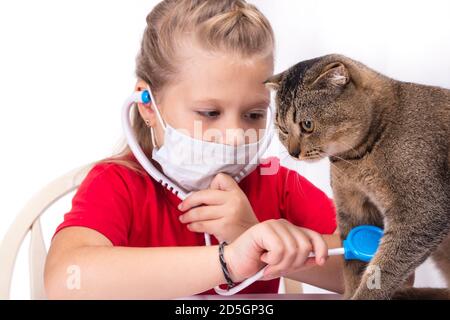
x: 362, y: 243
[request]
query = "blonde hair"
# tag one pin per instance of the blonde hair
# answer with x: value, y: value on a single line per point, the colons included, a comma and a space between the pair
x: 233, y: 26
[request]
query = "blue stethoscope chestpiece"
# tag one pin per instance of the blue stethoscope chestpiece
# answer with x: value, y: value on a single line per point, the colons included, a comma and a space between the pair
x: 362, y: 243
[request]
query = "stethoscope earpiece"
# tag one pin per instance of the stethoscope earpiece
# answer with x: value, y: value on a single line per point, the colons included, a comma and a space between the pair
x: 145, y: 97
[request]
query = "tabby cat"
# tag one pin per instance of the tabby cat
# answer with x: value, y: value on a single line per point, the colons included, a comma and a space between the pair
x: 388, y: 143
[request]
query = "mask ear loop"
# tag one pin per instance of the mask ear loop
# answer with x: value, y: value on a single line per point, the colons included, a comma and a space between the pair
x: 141, y: 157
x: 153, y: 137
x: 160, y: 119
x: 153, y: 101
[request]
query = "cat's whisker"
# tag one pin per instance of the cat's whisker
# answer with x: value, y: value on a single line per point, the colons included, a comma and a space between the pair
x: 329, y: 155
x: 350, y: 148
x: 338, y: 175
x: 344, y: 144
x: 353, y: 149
x: 284, y: 154
x: 340, y: 172
x: 346, y: 161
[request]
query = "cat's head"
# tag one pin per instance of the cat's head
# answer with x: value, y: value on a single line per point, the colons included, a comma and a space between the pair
x: 323, y: 106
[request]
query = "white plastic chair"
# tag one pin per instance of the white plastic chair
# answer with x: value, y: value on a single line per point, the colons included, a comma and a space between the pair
x: 28, y: 220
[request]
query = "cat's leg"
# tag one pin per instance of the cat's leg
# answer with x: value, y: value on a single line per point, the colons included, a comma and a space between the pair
x: 353, y: 269
x: 422, y: 294
x: 442, y: 258
x: 417, y: 222
x: 404, y: 246
x: 362, y: 212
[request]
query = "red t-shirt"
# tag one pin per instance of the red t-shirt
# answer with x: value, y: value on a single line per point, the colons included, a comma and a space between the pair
x: 132, y: 210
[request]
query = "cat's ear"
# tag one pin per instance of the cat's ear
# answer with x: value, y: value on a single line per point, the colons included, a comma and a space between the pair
x: 274, y: 82
x: 333, y: 75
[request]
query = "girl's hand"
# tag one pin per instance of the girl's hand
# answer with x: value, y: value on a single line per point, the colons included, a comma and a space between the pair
x: 223, y: 210
x: 277, y: 243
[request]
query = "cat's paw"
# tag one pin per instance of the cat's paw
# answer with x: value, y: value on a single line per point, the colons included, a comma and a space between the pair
x: 370, y: 294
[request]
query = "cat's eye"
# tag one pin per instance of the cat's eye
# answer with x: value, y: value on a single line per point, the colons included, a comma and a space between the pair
x: 307, y: 126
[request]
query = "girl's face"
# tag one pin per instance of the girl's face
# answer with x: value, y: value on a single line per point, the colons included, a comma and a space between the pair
x: 216, y: 97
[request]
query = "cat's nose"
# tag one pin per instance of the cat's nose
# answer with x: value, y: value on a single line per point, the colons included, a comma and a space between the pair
x: 294, y: 148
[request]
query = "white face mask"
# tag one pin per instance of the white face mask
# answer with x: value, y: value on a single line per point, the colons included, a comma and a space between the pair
x: 193, y: 163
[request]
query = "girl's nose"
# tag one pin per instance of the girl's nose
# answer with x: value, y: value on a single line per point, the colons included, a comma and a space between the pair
x: 234, y: 133
x: 233, y: 136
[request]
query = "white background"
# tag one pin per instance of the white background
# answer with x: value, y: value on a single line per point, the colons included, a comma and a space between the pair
x: 67, y: 66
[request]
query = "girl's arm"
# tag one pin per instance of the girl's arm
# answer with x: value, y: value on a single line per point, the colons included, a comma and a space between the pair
x: 328, y: 276
x: 83, y: 264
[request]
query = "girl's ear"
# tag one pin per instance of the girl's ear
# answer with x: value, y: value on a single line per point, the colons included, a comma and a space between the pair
x: 140, y: 85
x: 147, y: 113
x: 145, y: 110
x: 274, y: 82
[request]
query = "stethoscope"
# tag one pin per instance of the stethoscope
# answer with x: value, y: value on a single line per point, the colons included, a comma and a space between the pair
x: 361, y: 243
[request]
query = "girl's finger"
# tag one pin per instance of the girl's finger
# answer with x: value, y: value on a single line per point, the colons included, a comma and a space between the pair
x: 268, y: 240
x: 289, y: 250
x: 201, y: 213
x: 223, y: 182
x: 210, y: 226
x: 310, y: 262
x: 304, y: 248
x: 202, y: 197
x: 320, y: 247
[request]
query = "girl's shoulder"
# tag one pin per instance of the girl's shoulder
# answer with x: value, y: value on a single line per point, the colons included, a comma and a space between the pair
x: 117, y: 176
x: 108, y: 201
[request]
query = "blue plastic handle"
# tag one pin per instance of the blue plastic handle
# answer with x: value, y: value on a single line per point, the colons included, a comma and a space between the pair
x: 362, y: 243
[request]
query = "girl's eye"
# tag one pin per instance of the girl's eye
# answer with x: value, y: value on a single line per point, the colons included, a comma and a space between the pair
x: 307, y: 126
x: 255, y: 116
x: 209, y: 113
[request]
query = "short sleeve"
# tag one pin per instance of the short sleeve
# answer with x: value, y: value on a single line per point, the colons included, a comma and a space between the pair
x: 304, y: 204
x: 102, y: 203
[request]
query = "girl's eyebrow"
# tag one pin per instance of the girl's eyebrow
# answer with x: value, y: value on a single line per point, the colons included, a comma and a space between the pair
x: 209, y: 102
x: 218, y: 103
x: 258, y: 101
x: 259, y: 104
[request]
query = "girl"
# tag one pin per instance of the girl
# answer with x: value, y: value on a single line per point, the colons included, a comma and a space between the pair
x: 126, y: 236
